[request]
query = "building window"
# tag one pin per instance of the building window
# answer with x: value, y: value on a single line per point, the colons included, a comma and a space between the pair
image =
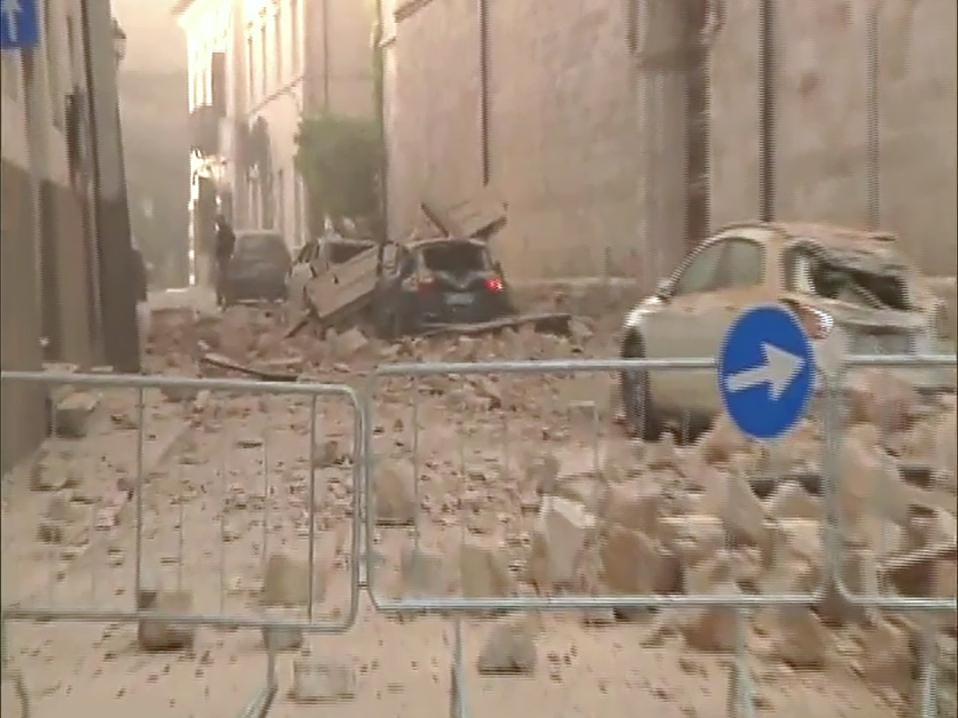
x: 278, y: 44
x: 294, y: 35
x: 250, y: 75
x: 263, y: 64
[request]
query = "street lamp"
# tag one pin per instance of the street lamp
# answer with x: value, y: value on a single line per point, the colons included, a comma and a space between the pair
x: 119, y: 42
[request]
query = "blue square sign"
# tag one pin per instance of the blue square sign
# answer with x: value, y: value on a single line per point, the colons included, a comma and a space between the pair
x: 19, y: 24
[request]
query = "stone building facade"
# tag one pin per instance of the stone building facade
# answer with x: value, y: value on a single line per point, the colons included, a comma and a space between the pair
x: 578, y: 116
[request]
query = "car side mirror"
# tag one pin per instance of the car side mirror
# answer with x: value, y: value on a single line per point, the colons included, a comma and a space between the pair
x: 663, y: 289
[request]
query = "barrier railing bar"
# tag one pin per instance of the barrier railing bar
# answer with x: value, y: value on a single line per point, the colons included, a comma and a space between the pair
x: 156, y: 381
x: 831, y: 474
x: 550, y: 366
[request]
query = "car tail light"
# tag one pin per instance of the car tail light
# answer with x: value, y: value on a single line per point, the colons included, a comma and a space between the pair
x: 425, y: 282
x: 816, y: 323
x: 494, y: 284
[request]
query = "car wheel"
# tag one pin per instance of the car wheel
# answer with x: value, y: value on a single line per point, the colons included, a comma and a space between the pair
x: 641, y: 417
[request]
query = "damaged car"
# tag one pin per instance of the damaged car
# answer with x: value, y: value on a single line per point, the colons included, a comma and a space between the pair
x: 258, y: 269
x: 437, y: 282
x: 854, y: 292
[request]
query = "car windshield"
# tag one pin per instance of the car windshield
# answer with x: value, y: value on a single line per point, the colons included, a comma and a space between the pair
x: 341, y: 252
x: 455, y: 257
x: 858, y: 277
x: 261, y: 248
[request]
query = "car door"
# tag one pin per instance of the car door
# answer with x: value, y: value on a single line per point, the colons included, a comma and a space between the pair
x: 669, y: 331
x: 740, y: 282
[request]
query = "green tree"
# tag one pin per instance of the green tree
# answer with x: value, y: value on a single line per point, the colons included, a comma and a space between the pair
x: 339, y: 159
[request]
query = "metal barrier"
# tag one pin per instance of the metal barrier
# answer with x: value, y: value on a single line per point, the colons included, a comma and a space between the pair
x: 364, y: 563
x: 739, y: 602
x: 259, y: 706
x: 931, y: 366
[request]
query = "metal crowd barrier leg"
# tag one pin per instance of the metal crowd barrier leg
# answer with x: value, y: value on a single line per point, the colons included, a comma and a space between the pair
x: 49, y: 610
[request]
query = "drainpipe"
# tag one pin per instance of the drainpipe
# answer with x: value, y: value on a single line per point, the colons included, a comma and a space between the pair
x: 766, y: 112
x: 483, y: 14
x: 872, y: 132
x: 325, y: 10
x: 379, y: 74
x: 37, y: 118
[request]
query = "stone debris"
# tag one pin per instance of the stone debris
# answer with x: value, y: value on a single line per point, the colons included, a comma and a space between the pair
x: 74, y: 414
x: 154, y: 635
x: 282, y: 639
x: 945, y: 456
x: 887, y: 657
x: 327, y: 453
x: 722, y: 442
x: 423, y: 572
x: 349, y: 343
x: 741, y: 510
x: 509, y: 649
x: 635, y: 508
x: 800, y: 638
x: 395, y: 494
x: 633, y: 564
x: 880, y: 398
x: 484, y: 571
x: 790, y: 500
x: 564, y: 530
x: 316, y: 681
x: 286, y: 582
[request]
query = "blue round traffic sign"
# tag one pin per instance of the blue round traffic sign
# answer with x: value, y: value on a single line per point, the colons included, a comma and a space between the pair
x: 766, y: 371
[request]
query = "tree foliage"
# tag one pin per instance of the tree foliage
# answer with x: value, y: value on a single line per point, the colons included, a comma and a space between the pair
x: 339, y: 159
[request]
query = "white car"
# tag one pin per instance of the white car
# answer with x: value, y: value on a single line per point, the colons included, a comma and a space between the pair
x: 854, y: 293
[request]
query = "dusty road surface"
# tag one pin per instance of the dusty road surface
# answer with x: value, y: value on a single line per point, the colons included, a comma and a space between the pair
x: 510, y: 486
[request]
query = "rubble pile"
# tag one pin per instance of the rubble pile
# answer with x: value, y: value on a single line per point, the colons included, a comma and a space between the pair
x: 661, y: 519
x: 255, y: 338
x: 712, y: 517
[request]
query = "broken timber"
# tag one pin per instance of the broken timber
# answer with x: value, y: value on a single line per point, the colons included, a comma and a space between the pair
x: 222, y: 362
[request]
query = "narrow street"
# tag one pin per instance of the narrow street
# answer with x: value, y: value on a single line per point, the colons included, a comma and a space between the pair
x: 227, y: 495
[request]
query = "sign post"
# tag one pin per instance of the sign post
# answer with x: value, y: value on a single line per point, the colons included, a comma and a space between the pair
x: 19, y: 25
x: 766, y: 376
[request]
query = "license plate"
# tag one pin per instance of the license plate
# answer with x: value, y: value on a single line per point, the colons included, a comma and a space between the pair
x: 458, y: 299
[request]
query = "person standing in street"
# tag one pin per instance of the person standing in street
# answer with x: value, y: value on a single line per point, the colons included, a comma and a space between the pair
x: 143, y: 315
x: 225, y: 243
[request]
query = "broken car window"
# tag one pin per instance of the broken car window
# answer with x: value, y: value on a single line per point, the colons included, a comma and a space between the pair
x: 455, y: 257
x: 857, y: 277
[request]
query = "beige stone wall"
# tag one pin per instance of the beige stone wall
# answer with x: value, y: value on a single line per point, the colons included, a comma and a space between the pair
x: 823, y: 115
x: 570, y: 131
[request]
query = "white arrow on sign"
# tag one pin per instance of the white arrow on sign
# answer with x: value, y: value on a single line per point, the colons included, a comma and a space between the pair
x: 11, y: 8
x: 778, y: 371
